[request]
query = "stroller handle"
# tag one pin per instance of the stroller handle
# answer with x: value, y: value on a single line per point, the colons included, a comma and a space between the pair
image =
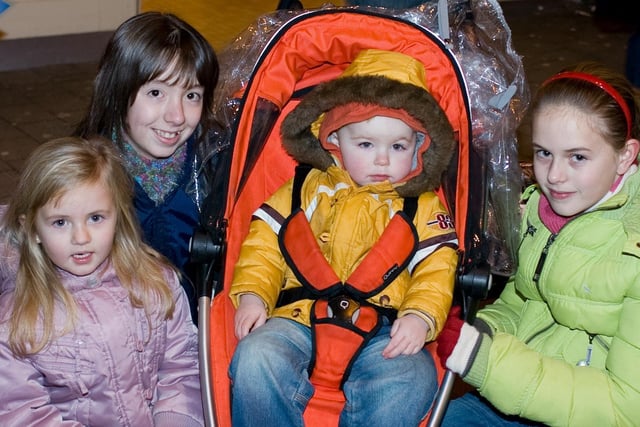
x: 204, y: 358
x: 442, y: 399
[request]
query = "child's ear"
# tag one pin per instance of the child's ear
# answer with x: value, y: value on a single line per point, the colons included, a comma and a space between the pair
x: 333, y: 139
x: 21, y: 219
x: 628, y: 156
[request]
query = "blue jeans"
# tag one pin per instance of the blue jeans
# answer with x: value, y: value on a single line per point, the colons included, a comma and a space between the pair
x: 270, y: 382
x: 470, y: 410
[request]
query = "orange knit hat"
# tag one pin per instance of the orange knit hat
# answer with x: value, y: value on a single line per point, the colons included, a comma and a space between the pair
x: 354, y: 112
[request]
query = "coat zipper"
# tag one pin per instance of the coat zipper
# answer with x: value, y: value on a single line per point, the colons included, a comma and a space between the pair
x: 541, y: 331
x: 602, y: 342
x: 531, y: 230
x: 543, y: 258
x: 587, y: 359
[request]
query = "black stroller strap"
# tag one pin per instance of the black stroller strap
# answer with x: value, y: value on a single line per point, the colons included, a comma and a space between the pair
x: 302, y: 170
x: 296, y: 294
x: 410, y: 207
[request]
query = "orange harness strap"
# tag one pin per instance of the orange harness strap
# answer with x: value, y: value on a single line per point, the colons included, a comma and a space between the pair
x: 384, y: 262
x: 337, y: 343
x: 303, y: 255
x: 341, y: 321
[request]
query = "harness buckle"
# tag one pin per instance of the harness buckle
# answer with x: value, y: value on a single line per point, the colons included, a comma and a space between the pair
x: 343, y: 308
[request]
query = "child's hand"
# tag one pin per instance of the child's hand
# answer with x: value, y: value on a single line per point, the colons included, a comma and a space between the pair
x: 450, y: 335
x: 251, y: 313
x: 408, y: 334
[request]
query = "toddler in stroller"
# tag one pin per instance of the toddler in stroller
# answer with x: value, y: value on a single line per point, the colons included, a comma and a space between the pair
x: 359, y: 273
x: 277, y: 63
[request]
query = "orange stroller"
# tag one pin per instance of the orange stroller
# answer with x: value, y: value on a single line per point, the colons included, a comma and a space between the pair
x: 475, y: 77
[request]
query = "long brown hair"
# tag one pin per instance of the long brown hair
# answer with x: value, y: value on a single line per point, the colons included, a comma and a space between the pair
x: 52, y: 170
x: 142, y: 49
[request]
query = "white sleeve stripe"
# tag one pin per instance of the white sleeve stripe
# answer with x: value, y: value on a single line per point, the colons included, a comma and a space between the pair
x: 268, y: 219
x: 423, y: 253
x: 311, y: 208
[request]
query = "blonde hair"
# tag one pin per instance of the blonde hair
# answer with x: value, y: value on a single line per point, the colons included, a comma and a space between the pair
x: 53, y: 169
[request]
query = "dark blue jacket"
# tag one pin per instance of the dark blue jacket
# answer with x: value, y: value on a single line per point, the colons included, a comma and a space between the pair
x: 168, y: 227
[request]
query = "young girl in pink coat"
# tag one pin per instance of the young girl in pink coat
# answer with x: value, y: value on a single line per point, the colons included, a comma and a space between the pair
x: 95, y: 328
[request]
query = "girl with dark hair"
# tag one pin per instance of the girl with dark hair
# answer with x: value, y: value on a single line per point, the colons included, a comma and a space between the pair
x: 153, y: 97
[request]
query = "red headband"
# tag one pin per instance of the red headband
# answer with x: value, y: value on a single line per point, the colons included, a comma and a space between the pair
x: 602, y: 85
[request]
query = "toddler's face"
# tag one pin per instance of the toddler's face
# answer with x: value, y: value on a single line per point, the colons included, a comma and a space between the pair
x: 77, y: 230
x: 163, y: 116
x: 376, y: 150
x: 573, y: 163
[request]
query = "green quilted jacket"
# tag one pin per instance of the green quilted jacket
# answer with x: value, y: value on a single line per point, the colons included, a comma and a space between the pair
x: 578, y: 286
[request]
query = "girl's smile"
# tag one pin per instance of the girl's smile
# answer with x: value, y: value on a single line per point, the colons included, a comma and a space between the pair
x: 574, y: 165
x: 163, y: 116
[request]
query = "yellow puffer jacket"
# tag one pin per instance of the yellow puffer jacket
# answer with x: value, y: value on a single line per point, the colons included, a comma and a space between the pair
x: 347, y: 220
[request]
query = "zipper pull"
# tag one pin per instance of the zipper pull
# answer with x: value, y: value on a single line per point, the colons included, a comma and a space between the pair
x: 587, y: 360
x: 531, y: 230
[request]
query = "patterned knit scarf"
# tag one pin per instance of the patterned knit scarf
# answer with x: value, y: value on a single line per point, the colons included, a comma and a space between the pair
x: 158, y: 177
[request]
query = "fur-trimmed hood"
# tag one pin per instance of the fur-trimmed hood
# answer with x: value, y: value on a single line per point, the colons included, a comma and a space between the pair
x: 378, y: 88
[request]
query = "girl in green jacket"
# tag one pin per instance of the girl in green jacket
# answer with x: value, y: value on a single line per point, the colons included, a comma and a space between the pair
x: 561, y: 345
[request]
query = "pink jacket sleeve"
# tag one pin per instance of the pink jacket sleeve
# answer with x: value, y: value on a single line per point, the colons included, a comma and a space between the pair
x: 179, y: 401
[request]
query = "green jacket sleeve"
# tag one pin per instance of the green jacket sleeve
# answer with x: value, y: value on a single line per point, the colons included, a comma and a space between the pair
x: 522, y: 381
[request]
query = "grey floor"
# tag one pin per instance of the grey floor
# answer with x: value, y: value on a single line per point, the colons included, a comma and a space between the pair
x: 37, y: 104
